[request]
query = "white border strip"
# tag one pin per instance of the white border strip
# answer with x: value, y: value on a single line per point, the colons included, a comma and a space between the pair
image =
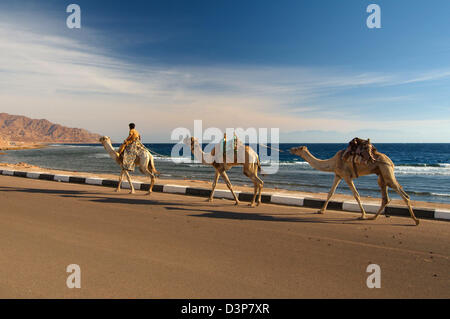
x: 442, y: 214
x: 174, y: 189
x: 61, y: 178
x: 286, y: 200
x: 34, y: 175
x: 93, y: 181
x: 354, y: 207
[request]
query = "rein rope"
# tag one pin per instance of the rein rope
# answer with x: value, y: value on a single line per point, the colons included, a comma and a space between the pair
x: 272, y: 148
x: 153, y: 152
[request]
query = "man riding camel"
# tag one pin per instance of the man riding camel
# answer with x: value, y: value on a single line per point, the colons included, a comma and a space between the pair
x: 132, y: 137
x: 130, y: 148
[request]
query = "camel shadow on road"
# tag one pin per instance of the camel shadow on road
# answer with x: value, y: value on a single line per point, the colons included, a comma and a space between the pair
x: 196, y: 206
x: 222, y: 214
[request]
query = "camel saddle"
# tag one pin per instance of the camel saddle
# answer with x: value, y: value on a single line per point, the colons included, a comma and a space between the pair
x: 229, y: 145
x: 359, y: 150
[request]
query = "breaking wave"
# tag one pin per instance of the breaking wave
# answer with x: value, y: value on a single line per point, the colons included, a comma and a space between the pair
x: 442, y: 169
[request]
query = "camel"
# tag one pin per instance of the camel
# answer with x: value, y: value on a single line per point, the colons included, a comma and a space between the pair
x: 383, y: 167
x: 144, y: 161
x: 251, y: 166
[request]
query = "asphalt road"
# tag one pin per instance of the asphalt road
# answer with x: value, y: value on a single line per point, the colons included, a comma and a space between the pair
x: 174, y: 246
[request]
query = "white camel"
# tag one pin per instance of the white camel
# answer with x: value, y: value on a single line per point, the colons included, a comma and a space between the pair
x: 144, y: 161
x: 249, y: 161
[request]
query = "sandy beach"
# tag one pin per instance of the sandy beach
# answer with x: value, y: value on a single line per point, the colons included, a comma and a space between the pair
x: 20, y: 146
x: 174, y: 246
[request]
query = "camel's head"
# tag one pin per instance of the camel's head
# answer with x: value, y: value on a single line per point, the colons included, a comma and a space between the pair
x: 298, y: 150
x: 104, y: 139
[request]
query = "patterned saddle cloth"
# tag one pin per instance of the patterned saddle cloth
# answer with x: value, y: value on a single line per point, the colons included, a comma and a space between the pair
x: 130, y: 153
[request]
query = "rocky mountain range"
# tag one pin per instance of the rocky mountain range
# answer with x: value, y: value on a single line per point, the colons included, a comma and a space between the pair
x: 19, y: 128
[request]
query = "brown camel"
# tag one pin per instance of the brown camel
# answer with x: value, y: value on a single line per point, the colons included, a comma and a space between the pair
x: 250, y: 163
x: 344, y: 169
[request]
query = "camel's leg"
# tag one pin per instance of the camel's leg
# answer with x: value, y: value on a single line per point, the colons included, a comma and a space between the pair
x: 129, y: 182
x: 251, y: 171
x: 230, y: 187
x: 384, y: 196
x: 261, y: 184
x: 145, y: 170
x: 396, y: 186
x: 255, y: 192
x: 258, y: 188
x: 216, y: 178
x: 356, y: 195
x: 120, y: 180
x: 391, y: 181
x: 152, y: 183
x: 258, y: 180
x: 337, y: 180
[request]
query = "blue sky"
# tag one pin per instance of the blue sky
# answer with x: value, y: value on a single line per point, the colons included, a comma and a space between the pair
x: 311, y: 68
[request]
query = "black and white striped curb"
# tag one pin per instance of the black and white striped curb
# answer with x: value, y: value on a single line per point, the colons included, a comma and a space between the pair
x: 351, y: 206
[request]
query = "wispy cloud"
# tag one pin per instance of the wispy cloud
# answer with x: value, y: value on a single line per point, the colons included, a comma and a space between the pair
x: 433, y: 75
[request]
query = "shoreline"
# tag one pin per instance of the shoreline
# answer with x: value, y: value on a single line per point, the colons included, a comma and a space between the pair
x: 21, y: 146
x: 25, y: 167
x: 33, y: 145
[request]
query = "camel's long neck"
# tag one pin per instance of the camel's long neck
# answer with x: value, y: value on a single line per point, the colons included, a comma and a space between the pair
x: 111, y: 151
x: 199, y: 155
x: 321, y: 165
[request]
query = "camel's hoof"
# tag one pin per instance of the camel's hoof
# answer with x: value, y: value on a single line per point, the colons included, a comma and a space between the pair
x: 319, y: 212
x: 132, y: 192
x: 252, y: 205
x: 236, y: 204
x: 117, y: 190
x: 417, y: 222
x: 258, y: 203
x: 362, y: 218
x: 149, y: 193
x: 373, y: 218
x: 209, y: 200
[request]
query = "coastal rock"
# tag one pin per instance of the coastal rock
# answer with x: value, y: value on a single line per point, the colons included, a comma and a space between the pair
x: 23, y: 129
